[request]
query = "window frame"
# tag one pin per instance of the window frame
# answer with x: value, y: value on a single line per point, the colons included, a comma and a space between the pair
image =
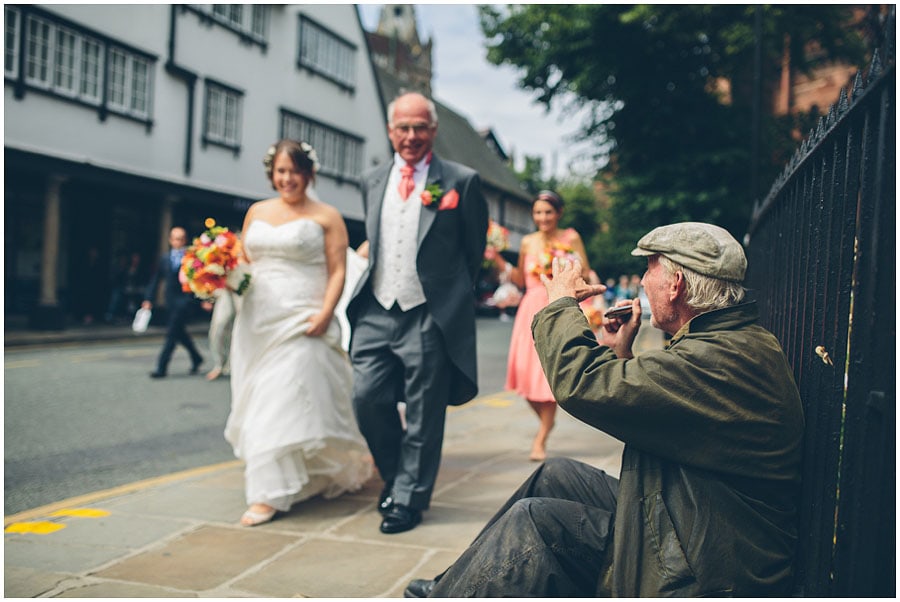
x: 332, y: 51
x: 69, y: 61
x: 221, y: 138
x: 340, y: 152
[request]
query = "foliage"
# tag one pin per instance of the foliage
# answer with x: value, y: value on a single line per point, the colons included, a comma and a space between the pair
x: 679, y: 141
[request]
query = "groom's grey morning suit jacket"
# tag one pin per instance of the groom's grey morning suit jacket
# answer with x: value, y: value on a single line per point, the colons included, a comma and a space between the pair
x: 450, y: 246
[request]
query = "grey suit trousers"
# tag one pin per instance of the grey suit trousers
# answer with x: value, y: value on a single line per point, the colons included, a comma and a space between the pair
x: 401, y: 356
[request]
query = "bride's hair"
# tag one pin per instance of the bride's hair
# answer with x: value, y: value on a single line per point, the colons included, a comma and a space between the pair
x: 301, y: 153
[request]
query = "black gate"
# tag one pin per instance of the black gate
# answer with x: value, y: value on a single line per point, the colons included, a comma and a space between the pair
x: 821, y: 251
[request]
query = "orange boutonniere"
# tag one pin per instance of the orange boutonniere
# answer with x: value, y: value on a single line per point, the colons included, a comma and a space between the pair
x: 433, y: 194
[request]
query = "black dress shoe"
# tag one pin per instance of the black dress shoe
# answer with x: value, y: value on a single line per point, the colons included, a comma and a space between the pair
x: 157, y: 374
x: 419, y: 588
x: 400, y: 518
x: 385, y: 500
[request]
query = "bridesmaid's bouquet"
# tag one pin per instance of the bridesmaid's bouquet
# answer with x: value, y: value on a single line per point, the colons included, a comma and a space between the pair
x: 497, y: 239
x: 544, y: 260
x: 211, y: 263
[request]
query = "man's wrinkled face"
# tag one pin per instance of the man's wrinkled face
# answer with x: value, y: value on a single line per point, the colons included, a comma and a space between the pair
x: 411, y: 131
x: 657, y: 283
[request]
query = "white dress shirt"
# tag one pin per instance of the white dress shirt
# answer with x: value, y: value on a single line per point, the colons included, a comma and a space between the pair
x: 396, y: 278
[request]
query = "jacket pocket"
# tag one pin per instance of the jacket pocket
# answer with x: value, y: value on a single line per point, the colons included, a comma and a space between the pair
x: 675, y: 572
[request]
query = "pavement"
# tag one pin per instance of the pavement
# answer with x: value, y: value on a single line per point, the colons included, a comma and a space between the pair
x: 178, y: 535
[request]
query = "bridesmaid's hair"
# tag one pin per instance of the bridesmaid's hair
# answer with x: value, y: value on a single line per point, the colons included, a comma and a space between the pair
x: 550, y: 197
x: 294, y: 149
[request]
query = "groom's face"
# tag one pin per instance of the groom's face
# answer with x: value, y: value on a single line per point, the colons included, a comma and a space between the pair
x: 411, y: 131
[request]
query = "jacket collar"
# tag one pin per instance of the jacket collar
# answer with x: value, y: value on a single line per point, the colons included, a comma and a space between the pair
x: 727, y: 318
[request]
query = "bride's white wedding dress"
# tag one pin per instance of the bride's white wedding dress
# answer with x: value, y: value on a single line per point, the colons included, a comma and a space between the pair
x: 291, y: 419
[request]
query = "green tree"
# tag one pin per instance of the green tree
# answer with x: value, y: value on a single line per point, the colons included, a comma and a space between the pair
x: 680, y: 146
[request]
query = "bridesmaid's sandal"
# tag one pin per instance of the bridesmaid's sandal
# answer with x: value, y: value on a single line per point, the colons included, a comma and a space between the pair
x: 252, y: 518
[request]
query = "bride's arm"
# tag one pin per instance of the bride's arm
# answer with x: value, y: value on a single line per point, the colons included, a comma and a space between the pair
x: 336, y: 241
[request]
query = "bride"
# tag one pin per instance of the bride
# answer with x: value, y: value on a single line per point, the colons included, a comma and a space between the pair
x: 291, y: 420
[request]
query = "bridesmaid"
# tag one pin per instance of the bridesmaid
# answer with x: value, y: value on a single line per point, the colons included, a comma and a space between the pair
x: 524, y: 373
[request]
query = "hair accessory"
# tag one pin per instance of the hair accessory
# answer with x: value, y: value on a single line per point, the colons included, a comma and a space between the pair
x: 311, y: 153
x: 269, y: 160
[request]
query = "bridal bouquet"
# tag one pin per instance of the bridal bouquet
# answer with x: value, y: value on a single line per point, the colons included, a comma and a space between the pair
x: 211, y: 263
x: 543, y: 265
x: 497, y: 239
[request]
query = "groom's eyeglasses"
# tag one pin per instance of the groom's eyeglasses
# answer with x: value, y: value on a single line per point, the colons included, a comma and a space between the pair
x: 415, y: 128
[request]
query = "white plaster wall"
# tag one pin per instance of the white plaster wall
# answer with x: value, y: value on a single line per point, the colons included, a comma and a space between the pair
x: 270, y: 80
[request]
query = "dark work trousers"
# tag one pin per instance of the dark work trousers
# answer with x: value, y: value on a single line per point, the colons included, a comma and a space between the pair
x: 176, y: 332
x: 549, y: 540
x: 400, y: 356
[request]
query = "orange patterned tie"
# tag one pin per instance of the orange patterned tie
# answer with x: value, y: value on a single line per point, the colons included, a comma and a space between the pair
x: 407, y: 184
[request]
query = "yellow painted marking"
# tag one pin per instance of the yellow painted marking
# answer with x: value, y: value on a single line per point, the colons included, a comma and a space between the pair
x: 90, y: 357
x: 91, y: 498
x: 23, y: 364
x: 42, y: 527
x: 496, y: 402
x: 81, y: 512
x: 139, y: 352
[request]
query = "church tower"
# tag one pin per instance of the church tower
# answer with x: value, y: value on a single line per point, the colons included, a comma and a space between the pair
x: 396, y: 47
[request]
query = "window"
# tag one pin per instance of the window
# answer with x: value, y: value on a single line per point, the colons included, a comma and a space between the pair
x: 91, y: 63
x: 325, y: 53
x: 340, y: 154
x: 223, y: 115
x: 37, y: 53
x: 128, y: 87
x: 248, y: 20
x: 68, y: 60
x: 64, y: 62
x: 13, y: 34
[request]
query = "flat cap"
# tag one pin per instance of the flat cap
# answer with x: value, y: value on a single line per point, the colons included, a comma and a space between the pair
x: 704, y: 248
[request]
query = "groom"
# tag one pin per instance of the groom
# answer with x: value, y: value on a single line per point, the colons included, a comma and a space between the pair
x: 412, y: 313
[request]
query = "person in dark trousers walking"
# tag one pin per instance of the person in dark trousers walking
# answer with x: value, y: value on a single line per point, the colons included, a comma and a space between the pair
x: 706, y: 502
x: 178, y: 304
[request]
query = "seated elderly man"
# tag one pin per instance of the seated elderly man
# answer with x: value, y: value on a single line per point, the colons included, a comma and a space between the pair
x: 706, y: 502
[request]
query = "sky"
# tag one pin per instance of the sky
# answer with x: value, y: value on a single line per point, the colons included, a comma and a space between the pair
x: 487, y: 95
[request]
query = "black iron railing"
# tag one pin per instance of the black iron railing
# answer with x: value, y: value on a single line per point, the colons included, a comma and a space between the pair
x: 821, y: 251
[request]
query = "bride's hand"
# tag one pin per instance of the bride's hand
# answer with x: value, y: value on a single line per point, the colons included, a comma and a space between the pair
x: 318, y: 324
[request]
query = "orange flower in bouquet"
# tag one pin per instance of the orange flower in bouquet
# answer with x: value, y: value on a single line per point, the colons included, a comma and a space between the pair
x: 497, y: 239
x: 211, y: 263
x: 593, y: 315
x: 544, y: 260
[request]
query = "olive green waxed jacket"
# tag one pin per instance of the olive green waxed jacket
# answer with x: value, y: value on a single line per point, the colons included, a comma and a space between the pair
x: 712, y: 427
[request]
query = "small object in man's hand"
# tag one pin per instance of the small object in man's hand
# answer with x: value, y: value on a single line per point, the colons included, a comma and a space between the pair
x: 618, y: 312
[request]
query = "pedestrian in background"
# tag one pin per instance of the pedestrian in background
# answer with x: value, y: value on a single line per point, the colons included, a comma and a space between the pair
x: 178, y: 304
x: 224, y: 308
x: 524, y: 373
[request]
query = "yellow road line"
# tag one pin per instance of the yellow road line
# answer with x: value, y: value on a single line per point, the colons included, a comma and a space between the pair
x: 91, y: 498
x: 22, y: 364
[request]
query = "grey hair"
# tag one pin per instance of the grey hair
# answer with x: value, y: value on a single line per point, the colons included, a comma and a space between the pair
x: 432, y: 110
x: 705, y: 293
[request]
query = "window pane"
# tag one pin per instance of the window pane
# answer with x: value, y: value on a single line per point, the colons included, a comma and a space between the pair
x: 38, y: 51
x: 326, y: 53
x: 91, y: 62
x: 140, y: 75
x: 64, y: 75
x: 11, y: 55
x: 117, y: 78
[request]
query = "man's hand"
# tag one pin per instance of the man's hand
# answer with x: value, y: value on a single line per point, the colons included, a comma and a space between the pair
x: 568, y: 282
x: 618, y: 332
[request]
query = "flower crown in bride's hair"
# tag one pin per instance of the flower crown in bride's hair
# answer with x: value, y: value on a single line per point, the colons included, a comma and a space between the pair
x: 285, y: 145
